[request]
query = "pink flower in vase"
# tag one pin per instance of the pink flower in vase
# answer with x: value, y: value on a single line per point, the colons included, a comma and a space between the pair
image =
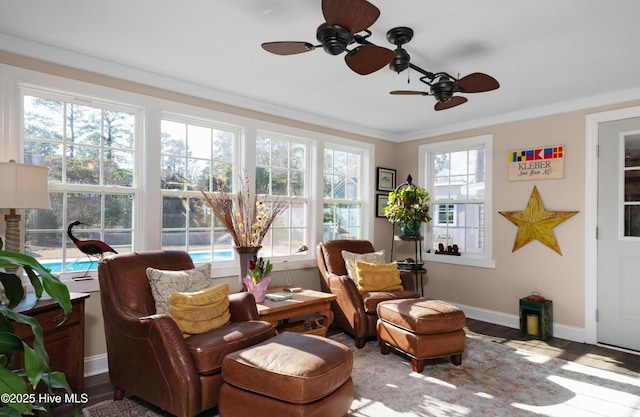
x: 258, y: 279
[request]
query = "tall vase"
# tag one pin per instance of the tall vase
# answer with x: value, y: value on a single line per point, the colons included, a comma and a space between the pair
x: 245, y: 254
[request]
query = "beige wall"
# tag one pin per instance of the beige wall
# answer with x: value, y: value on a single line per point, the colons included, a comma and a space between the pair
x: 532, y: 268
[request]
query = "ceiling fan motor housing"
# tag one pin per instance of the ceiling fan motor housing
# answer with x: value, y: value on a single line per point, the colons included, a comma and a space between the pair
x: 334, y: 38
x: 443, y: 88
x: 400, y: 61
x: 399, y: 36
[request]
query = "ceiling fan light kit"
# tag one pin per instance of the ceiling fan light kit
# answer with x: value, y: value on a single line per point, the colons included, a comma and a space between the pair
x: 346, y: 19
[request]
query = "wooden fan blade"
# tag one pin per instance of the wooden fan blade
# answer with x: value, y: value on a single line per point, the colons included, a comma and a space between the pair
x: 287, y: 47
x: 355, y: 15
x: 366, y: 59
x: 452, y: 102
x: 477, y: 83
x: 409, y: 93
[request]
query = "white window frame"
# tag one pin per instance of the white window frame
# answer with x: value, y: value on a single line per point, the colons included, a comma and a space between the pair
x: 367, y: 190
x: 235, y: 162
x: 305, y: 200
x: 425, y: 177
x: 147, y: 214
x: 134, y: 191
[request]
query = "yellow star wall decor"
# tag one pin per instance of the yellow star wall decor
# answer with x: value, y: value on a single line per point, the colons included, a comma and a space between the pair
x: 536, y: 223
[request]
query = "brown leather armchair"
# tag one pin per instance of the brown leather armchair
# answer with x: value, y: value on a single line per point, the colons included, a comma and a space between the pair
x: 147, y: 354
x: 355, y: 313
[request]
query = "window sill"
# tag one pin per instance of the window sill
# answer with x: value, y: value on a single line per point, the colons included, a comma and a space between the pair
x: 460, y: 260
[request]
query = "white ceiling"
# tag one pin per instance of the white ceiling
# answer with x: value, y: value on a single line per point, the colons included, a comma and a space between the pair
x: 548, y: 55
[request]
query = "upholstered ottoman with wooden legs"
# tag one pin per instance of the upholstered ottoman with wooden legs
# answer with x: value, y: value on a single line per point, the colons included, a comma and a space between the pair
x: 291, y: 374
x: 422, y: 329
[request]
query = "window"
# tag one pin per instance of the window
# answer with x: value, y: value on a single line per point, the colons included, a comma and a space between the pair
x: 458, y: 178
x: 282, y: 170
x: 195, y: 155
x: 130, y: 166
x: 446, y: 214
x: 89, y: 148
x: 343, y: 193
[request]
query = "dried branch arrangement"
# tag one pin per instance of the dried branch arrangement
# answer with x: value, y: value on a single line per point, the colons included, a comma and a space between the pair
x: 247, y: 218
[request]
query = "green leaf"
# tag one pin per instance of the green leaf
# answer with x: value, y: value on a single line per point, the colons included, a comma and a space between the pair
x: 6, y: 325
x: 12, y: 287
x: 57, y: 379
x: 34, y: 364
x: 58, y: 291
x: 10, y: 343
x: 35, y: 282
x: 36, y: 329
x: 52, y: 285
x: 9, y: 412
x: 11, y: 383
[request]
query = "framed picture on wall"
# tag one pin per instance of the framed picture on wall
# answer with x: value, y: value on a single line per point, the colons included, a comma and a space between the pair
x: 381, y: 201
x: 386, y: 179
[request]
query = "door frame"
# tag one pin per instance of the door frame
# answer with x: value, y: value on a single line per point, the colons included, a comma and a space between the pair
x: 591, y: 214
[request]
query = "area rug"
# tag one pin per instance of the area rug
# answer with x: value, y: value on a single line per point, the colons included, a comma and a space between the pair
x: 494, y: 380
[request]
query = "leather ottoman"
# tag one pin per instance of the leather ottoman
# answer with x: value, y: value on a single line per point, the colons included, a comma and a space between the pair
x: 422, y: 329
x: 291, y: 374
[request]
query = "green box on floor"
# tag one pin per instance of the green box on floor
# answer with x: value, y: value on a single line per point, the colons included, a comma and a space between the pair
x: 536, y: 319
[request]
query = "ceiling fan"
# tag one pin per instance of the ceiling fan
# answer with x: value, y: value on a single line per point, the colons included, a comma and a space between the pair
x: 345, y: 19
x: 442, y: 85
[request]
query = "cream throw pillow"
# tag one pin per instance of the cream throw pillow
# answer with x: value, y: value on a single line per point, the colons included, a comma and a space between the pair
x: 200, y: 311
x: 378, y: 277
x: 163, y: 283
x: 350, y: 259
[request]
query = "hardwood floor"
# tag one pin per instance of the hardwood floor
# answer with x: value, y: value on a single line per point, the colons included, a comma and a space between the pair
x: 99, y: 389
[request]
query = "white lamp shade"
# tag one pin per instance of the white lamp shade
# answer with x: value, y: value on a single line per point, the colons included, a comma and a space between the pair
x: 24, y: 186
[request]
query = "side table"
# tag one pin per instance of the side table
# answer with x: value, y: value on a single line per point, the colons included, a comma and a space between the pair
x: 301, y: 303
x: 64, y: 343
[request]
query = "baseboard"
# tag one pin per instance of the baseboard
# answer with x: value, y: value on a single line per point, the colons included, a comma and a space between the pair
x: 94, y: 365
x: 575, y: 334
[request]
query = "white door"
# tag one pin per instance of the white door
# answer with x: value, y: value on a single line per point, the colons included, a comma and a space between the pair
x: 619, y: 233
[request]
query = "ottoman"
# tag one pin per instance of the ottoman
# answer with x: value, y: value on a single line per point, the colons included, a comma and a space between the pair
x: 291, y: 374
x: 422, y: 329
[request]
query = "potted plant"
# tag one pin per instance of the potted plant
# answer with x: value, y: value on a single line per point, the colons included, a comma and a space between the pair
x: 258, y: 278
x: 16, y: 385
x: 408, y: 206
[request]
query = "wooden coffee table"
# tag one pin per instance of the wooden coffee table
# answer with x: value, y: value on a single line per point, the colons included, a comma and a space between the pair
x: 303, y: 302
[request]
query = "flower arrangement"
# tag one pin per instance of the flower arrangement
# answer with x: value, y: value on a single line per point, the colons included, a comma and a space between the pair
x: 258, y: 279
x: 246, y: 217
x: 259, y: 269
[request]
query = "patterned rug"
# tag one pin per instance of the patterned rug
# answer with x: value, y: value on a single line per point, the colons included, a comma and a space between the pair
x: 494, y: 380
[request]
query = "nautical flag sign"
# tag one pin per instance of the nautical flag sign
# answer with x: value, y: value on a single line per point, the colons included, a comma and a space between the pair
x: 545, y: 163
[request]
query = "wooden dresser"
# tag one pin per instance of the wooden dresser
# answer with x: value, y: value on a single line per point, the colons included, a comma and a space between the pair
x: 64, y: 343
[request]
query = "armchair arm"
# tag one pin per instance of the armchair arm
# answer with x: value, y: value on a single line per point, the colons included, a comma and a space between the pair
x: 152, y: 348
x: 351, y: 312
x: 242, y: 307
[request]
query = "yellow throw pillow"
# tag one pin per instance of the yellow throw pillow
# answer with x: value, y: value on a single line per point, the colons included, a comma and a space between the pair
x: 200, y: 311
x: 378, y: 277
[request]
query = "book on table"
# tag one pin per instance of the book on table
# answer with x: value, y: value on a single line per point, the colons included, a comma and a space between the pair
x: 278, y: 296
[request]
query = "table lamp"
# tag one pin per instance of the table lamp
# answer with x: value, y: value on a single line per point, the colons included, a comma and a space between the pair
x: 22, y: 186
x: 290, y: 287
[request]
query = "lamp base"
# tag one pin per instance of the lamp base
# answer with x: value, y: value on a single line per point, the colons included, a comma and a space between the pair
x: 12, y: 232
